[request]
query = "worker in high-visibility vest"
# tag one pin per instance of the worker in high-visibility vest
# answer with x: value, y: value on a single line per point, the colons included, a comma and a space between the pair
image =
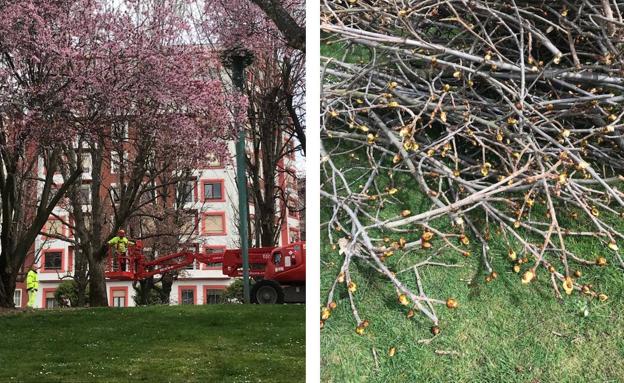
x: 120, y: 243
x: 32, y: 284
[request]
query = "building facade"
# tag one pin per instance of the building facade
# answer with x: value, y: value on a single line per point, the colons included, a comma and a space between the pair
x: 210, y: 194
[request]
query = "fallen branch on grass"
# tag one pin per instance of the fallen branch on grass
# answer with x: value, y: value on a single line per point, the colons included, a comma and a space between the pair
x: 508, y: 117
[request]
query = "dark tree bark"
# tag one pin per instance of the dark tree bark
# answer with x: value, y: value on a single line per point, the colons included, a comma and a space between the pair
x: 293, y: 32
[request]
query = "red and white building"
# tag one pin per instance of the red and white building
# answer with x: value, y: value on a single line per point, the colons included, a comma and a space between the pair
x: 214, y: 199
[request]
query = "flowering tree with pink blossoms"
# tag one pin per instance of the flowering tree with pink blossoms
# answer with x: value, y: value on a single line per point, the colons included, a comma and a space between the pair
x: 90, y: 66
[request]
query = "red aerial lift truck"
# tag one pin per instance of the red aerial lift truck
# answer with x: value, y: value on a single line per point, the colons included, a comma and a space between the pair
x: 279, y: 272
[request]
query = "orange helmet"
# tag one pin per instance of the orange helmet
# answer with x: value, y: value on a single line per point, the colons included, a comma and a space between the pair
x: 121, y: 233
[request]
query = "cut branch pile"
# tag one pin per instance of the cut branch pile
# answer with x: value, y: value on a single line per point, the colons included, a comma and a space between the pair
x: 507, y: 115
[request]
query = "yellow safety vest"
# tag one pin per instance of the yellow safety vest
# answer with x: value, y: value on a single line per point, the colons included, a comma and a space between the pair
x: 121, y: 244
x: 32, y: 280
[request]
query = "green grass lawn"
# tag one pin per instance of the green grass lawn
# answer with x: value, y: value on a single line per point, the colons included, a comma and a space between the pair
x: 215, y: 343
x: 503, y: 331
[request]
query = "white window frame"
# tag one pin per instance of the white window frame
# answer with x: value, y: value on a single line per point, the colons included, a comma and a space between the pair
x: 18, y: 302
x: 119, y: 301
x: 86, y: 169
x: 86, y: 185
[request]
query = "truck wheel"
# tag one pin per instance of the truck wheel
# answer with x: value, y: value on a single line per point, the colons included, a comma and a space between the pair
x: 267, y: 292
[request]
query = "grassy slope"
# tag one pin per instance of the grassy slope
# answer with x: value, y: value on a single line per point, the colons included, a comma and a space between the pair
x: 229, y: 343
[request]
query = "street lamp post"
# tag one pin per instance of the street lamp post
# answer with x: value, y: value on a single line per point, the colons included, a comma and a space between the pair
x: 238, y: 59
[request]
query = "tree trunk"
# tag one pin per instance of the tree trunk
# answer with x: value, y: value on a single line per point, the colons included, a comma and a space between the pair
x: 7, y: 288
x: 144, y: 291
x: 167, y: 283
x: 97, y: 284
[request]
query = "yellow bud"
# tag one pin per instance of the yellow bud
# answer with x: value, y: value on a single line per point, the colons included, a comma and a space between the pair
x: 464, y: 240
x: 528, y: 276
x: 613, y: 246
x: 594, y: 211
x: 393, y: 191
x: 583, y: 165
x: 601, y: 261
x: 325, y: 313
x: 603, y: 297
x: 405, y: 213
x: 427, y: 236
x: 451, y: 303
x: 393, y: 104
x: 352, y: 287
x: 403, y: 300
x: 568, y: 285
x: 512, y: 255
x: 391, y: 351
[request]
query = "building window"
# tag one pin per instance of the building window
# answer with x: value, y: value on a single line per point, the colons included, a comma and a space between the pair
x: 292, y: 208
x: 293, y: 235
x: 119, y: 131
x: 214, y: 224
x: 115, y: 192
x: 86, y: 163
x: 119, y: 296
x: 115, y: 162
x: 186, y: 192
x: 50, y: 300
x: 213, y: 161
x: 212, y: 250
x: 53, y: 260
x: 85, y: 194
x: 17, y: 297
x: 54, y: 227
x: 214, y: 296
x: 213, y: 190
x: 192, y: 249
x: 187, y: 297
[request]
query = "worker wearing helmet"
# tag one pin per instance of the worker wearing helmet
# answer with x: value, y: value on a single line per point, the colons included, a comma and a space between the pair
x: 32, y: 284
x: 120, y: 244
